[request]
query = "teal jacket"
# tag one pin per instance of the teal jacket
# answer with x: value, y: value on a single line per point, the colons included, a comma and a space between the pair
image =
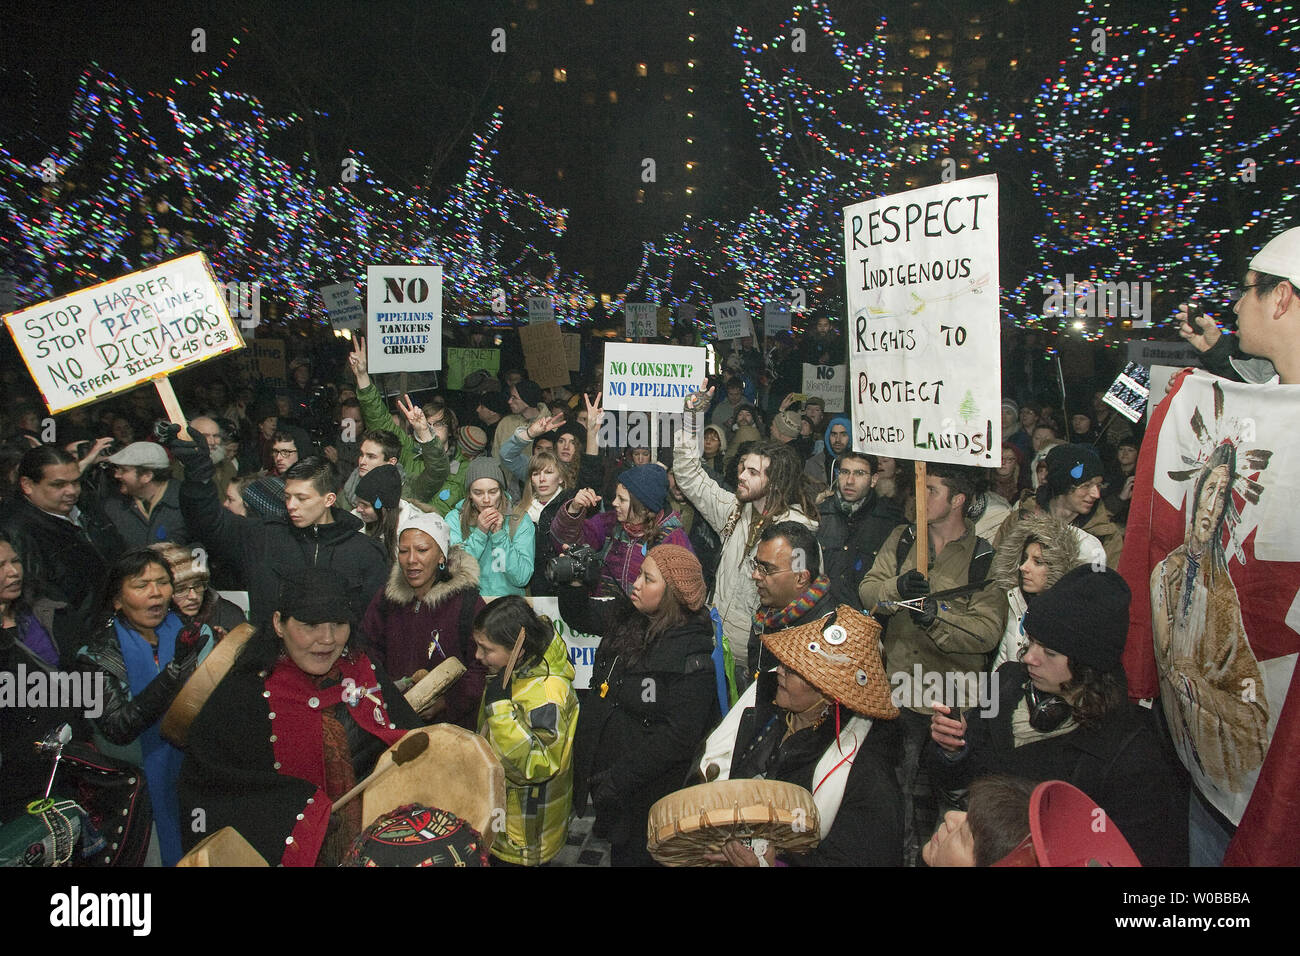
x: 505, y: 558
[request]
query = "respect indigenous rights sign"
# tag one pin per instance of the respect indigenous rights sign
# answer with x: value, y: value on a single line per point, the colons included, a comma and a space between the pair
x: 924, y: 361
x: 113, y: 336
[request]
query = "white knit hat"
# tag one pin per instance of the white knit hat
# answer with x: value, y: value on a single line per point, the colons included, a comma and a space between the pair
x: 1280, y: 257
x: 432, y: 524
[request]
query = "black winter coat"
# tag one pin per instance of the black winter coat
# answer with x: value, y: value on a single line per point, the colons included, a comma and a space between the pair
x: 1118, y: 762
x: 850, y: 542
x: 265, y: 549
x: 69, y: 564
x: 635, y: 744
x: 544, y: 546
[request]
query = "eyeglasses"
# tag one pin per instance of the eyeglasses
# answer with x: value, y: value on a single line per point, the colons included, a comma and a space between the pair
x: 764, y: 569
x: 198, y: 589
x: 283, y: 452
x: 1245, y: 287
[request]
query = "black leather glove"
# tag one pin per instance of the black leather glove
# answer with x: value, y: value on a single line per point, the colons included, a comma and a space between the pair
x: 194, y: 458
x: 189, y: 642
x: 495, y: 689
x: 926, y: 616
x: 912, y: 585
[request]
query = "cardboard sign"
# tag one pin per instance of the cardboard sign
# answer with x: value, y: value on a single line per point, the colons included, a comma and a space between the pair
x: 582, y: 647
x: 776, y: 317
x: 544, y: 357
x: 344, y: 308
x: 664, y: 321
x: 572, y: 351
x: 651, y: 378
x: 541, y: 308
x: 460, y: 362
x: 640, y: 319
x: 263, y: 360
x: 113, y: 336
x: 403, y: 318
x: 731, y: 320
x: 827, y: 382
x: 924, y: 356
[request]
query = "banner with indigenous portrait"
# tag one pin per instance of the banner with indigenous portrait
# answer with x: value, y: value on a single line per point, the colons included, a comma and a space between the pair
x: 1212, y: 555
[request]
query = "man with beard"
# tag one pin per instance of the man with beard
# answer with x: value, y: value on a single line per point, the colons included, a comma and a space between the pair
x: 149, y: 507
x: 211, y: 432
x: 771, y: 488
x: 821, y: 466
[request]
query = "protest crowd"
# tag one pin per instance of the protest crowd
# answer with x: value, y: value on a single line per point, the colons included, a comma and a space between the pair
x: 756, y: 606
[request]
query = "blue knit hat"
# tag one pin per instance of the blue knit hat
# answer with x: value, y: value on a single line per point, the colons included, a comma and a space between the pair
x: 648, y: 484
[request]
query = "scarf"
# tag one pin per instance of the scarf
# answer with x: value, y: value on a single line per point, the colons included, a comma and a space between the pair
x: 162, y: 761
x: 775, y: 619
x: 849, y: 508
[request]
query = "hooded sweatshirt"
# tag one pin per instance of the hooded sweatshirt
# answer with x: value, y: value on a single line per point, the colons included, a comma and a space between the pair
x: 825, y: 465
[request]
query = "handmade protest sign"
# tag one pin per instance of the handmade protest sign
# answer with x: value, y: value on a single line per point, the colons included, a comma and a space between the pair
x: 640, y: 317
x: 403, y: 318
x: 460, y: 362
x: 110, y: 337
x: 827, y: 382
x: 664, y: 321
x: 924, y: 357
x: 344, y: 308
x: 543, y: 347
x: 776, y: 317
x: 541, y: 308
x: 731, y: 320
x: 651, y: 378
x: 263, y: 361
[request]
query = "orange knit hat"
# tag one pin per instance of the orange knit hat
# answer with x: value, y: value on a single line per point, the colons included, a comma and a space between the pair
x: 681, y: 570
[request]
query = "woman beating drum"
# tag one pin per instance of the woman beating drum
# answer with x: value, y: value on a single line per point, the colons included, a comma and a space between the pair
x: 822, y: 720
x: 300, y: 718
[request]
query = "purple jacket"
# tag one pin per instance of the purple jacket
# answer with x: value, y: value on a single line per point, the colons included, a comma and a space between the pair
x: 623, y: 562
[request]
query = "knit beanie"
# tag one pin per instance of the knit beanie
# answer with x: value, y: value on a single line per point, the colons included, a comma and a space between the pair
x: 496, y: 401
x: 1084, y: 616
x: 484, y: 467
x: 1071, y: 465
x: 381, y: 486
x: 432, y: 524
x: 682, y: 572
x: 472, y: 440
x: 648, y: 484
x: 787, y: 424
x: 1011, y: 404
x: 577, y: 431
x: 529, y: 391
x: 265, y: 496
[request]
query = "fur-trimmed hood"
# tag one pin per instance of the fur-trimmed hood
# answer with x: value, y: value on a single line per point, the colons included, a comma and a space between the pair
x: 1060, y: 549
x: 464, y: 576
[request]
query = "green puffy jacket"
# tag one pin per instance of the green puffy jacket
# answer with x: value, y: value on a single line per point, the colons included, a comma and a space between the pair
x: 424, y: 464
x: 531, y: 731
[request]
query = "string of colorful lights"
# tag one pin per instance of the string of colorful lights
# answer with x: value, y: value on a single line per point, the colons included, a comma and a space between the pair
x: 112, y: 199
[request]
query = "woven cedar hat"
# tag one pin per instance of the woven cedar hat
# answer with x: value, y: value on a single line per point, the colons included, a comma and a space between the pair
x: 839, y: 654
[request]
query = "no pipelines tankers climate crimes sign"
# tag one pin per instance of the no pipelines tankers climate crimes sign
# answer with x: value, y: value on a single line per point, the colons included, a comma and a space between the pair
x: 113, y: 336
x: 403, y: 318
x: 925, y: 376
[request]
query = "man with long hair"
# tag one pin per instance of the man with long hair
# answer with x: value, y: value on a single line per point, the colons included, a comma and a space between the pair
x: 771, y: 488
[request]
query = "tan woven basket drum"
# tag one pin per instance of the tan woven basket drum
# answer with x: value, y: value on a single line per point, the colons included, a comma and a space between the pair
x: 687, y: 825
x: 196, y: 690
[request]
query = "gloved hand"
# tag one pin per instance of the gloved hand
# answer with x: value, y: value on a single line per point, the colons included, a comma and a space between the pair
x: 194, y: 458
x: 189, y: 642
x: 604, y: 795
x: 495, y: 689
x: 912, y: 585
x: 929, y: 611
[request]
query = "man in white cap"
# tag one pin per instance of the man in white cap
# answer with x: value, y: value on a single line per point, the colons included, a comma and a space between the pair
x: 1268, y: 320
x: 149, y: 507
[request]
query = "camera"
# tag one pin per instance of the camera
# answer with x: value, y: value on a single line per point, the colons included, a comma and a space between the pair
x: 580, y: 563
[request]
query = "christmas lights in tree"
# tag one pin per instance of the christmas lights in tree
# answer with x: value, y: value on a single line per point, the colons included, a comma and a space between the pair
x: 1169, y: 143
x: 221, y: 175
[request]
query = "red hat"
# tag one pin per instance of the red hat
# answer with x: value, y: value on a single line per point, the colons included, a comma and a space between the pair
x: 1067, y: 828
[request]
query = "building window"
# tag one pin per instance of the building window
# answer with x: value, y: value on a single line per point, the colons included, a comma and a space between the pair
x: 640, y: 197
x: 613, y: 96
x: 560, y: 75
x: 641, y: 69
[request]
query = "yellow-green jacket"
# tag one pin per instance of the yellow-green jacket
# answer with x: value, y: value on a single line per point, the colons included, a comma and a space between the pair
x: 531, y: 731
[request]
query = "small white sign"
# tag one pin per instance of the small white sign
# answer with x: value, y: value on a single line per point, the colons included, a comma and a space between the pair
x: 541, y: 308
x: 344, y: 307
x: 776, y: 317
x: 731, y: 320
x: 827, y: 382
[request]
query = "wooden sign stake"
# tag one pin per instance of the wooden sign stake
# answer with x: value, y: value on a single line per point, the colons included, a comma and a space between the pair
x: 172, y: 406
x: 922, y: 528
